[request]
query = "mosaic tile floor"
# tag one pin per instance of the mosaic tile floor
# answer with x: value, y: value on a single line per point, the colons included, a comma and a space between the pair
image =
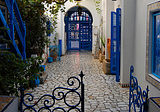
x: 102, y: 92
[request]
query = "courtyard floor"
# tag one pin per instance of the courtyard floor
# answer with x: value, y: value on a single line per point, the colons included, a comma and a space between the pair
x: 102, y: 92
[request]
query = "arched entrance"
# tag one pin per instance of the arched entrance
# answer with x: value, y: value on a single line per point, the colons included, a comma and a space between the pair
x: 78, y: 29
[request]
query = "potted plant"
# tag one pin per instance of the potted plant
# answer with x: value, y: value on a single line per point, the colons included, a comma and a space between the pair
x: 102, y: 55
x: 54, y: 48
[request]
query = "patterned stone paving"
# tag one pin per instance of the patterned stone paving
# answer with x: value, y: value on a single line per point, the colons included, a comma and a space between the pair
x: 102, y: 92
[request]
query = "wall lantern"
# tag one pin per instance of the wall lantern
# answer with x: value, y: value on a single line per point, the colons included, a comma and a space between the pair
x: 79, y: 10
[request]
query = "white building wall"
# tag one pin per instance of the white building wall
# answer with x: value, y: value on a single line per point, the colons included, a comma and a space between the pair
x: 108, y: 7
x: 117, y: 4
x: 127, y: 38
x: 140, y: 46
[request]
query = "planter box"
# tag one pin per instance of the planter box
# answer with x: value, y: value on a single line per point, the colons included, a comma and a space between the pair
x: 50, y: 59
x: 101, y: 57
x: 106, y: 66
x: 8, y: 104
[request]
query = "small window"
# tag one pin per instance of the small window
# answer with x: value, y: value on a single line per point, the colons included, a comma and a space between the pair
x: 156, y: 45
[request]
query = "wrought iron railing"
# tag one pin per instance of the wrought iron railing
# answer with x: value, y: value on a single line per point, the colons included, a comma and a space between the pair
x: 137, y: 98
x: 16, y: 21
x: 48, y: 104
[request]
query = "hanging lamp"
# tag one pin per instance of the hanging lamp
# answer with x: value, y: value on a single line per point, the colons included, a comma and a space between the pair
x: 79, y: 10
x: 63, y: 1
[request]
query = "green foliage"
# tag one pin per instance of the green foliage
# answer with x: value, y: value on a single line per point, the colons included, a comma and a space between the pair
x: 15, y: 72
x: 103, y: 42
x: 97, y: 4
x: 35, y: 15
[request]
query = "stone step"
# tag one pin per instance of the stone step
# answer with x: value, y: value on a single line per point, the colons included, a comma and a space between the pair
x: 154, y: 104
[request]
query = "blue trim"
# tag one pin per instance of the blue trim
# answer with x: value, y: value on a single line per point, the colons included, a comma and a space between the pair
x: 153, y: 44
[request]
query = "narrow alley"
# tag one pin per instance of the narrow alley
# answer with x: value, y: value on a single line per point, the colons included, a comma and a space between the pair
x: 102, y: 92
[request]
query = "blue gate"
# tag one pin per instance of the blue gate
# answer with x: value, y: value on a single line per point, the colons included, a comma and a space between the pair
x: 48, y: 101
x: 137, y: 98
x: 79, y: 31
x: 115, y: 42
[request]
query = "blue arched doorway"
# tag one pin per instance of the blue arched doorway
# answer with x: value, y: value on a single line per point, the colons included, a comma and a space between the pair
x: 78, y: 29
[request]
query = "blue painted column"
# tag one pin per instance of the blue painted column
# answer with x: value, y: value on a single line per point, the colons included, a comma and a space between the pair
x: 118, y: 38
x: 60, y: 44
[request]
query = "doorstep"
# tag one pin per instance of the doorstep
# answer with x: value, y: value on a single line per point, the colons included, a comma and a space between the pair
x: 154, y: 104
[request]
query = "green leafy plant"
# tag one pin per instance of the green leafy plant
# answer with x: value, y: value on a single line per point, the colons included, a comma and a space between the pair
x: 97, y: 4
x: 103, y: 42
x: 54, y: 49
x: 15, y: 72
x: 36, y: 13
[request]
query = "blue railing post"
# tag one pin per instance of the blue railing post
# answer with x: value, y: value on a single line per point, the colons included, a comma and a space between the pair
x: 130, y: 87
x: 21, y: 98
x: 82, y: 92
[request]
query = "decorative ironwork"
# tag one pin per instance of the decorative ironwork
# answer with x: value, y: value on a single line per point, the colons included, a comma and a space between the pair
x: 137, y: 98
x: 61, y: 96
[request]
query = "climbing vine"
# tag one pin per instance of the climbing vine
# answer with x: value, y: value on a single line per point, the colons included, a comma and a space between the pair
x: 97, y: 4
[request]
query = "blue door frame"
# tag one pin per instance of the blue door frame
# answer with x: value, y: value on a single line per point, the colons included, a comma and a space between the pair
x: 79, y: 31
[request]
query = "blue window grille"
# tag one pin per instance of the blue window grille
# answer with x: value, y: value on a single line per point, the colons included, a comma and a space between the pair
x: 156, y: 45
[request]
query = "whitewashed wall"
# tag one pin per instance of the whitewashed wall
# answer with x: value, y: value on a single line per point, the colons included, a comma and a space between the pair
x: 127, y: 38
x: 140, y: 45
x: 133, y: 41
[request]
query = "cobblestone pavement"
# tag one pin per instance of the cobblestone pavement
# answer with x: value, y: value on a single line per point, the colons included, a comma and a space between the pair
x: 102, y: 92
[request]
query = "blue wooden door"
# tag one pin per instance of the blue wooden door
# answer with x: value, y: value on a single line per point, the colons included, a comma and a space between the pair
x: 85, y: 36
x: 118, y: 38
x: 113, y: 42
x: 73, y: 36
x: 79, y: 31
